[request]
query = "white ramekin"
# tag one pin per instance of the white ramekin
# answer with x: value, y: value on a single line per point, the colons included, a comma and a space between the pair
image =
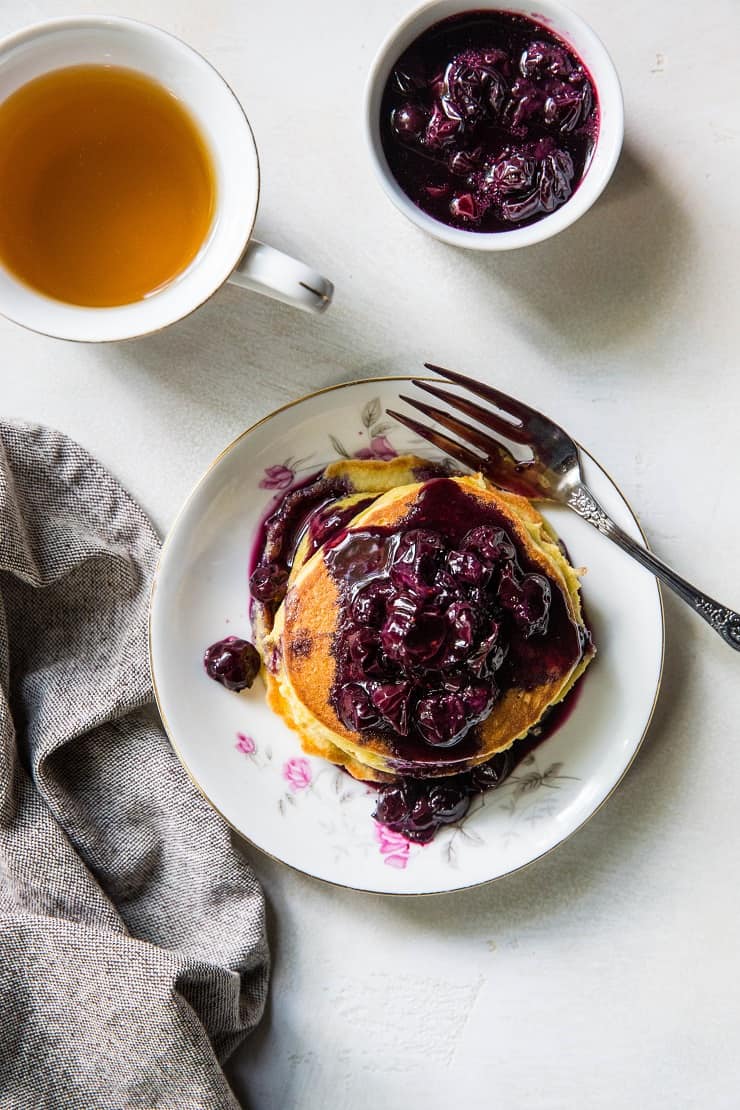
x: 577, y: 34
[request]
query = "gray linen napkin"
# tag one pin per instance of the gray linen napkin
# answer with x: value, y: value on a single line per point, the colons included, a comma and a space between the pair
x: 132, y: 941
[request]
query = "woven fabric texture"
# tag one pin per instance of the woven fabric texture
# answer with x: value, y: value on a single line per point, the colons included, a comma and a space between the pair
x: 133, y: 955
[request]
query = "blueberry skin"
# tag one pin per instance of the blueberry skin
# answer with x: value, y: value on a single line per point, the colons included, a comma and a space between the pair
x: 233, y: 662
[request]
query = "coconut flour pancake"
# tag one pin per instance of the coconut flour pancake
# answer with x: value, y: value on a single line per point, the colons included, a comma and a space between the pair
x: 429, y: 621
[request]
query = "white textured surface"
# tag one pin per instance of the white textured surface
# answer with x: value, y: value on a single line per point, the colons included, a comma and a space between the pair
x: 606, y: 975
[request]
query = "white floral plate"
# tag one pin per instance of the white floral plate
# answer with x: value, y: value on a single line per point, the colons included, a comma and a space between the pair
x: 306, y: 812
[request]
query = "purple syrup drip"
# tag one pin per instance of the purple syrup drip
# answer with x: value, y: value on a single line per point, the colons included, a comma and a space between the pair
x: 488, y: 121
x: 280, y: 534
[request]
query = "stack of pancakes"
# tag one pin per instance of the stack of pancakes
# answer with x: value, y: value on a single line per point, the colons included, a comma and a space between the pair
x: 300, y: 640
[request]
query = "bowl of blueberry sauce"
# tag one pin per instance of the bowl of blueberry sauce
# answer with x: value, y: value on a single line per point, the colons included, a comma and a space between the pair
x: 494, y: 127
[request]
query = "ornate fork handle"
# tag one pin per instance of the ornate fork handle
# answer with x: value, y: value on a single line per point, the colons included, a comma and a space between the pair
x: 723, y: 620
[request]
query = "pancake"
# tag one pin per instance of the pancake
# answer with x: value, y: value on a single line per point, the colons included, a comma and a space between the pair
x: 312, y: 639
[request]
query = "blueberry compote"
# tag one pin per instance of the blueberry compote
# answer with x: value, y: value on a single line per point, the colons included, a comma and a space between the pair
x: 488, y: 620
x: 488, y: 121
x: 310, y: 507
x: 233, y: 662
x: 299, y: 509
x: 417, y: 808
x: 440, y: 614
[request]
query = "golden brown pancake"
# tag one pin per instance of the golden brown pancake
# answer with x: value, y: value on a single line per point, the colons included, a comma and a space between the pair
x: 302, y: 641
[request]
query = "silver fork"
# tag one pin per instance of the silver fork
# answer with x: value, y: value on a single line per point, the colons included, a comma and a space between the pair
x: 553, y: 473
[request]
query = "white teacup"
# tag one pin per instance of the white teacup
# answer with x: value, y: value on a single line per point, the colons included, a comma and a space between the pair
x: 229, y: 252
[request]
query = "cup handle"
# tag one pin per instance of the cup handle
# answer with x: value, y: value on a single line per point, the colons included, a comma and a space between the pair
x: 267, y: 270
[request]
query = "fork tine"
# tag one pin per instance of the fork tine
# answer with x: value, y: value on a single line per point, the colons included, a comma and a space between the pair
x: 440, y: 441
x: 516, y: 409
x: 483, y: 416
x: 491, y: 448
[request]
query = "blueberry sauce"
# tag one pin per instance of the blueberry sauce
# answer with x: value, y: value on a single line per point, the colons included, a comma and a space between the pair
x: 488, y: 121
x: 233, y: 662
x: 440, y: 613
x: 307, y: 506
x: 280, y: 535
x: 418, y: 808
x: 327, y: 522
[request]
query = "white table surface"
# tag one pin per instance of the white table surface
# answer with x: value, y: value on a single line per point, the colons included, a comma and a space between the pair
x: 607, y: 974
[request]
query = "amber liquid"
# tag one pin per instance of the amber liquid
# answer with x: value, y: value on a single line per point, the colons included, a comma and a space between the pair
x: 107, y: 188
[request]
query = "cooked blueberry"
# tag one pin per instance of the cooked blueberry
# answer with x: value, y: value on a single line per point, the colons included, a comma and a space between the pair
x: 363, y: 648
x: 446, y: 588
x: 269, y: 582
x: 463, y: 162
x: 415, y: 561
x: 355, y: 708
x: 514, y: 173
x: 393, y: 806
x: 524, y: 106
x: 462, y: 625
x: 448, y: 802
x: 368, y: 606
x: 410, y: 636
x: 528, y: 601
x: 524, y: 208
x: 478, y: 699
x: 555, y: 182
x: 566, y: 105
x: 490, y: 774
x: 496, y: 93
x: 441, y: 719
x: 233, y: 662
x: 409, y: 121
x: 465, y: 567
x: 491, y: 545
x: 441, y: 130
x: 488, y: 655
x: 392, y: 703
x: 543, y: 59
x: 401, y: 614
x: 465, y: 90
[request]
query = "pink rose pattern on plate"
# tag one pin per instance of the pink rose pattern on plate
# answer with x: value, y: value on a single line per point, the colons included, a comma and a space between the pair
x: 297, y: 773
x: 245, y: 744
x: 380, y: 448
x: 281, y: 476
x: 278, y: 477
x: 393, y: 847
x: 378, y: 444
